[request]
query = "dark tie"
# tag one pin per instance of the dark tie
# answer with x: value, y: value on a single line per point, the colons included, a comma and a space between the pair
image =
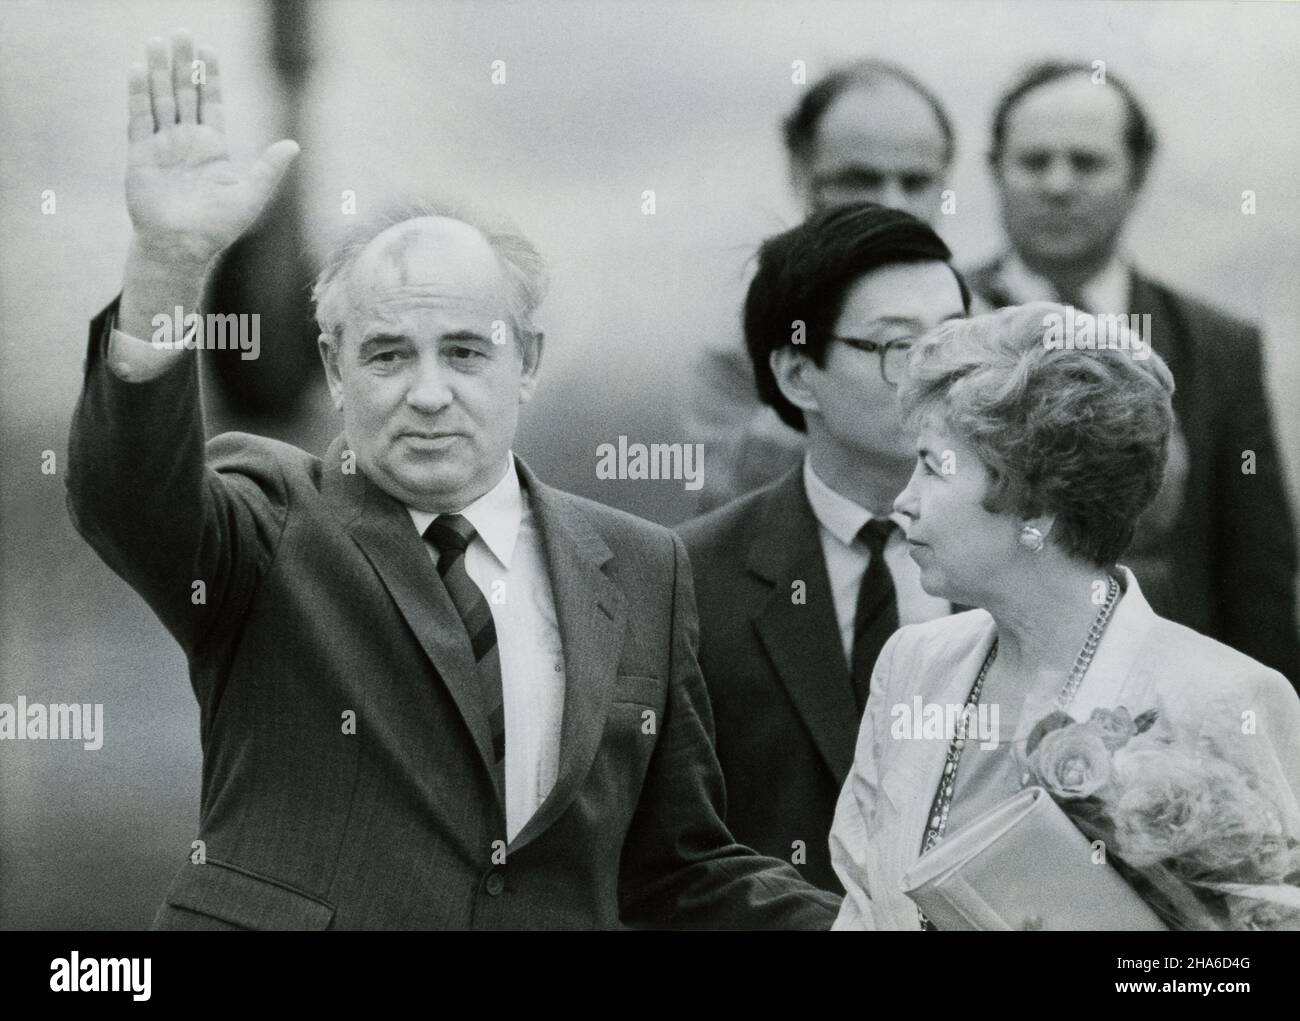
x: 450, y: 535
x: 1072, y: 296
x: 877, y: 613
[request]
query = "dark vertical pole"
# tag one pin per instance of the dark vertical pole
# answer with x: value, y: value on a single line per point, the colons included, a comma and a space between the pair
x: 268, y: 271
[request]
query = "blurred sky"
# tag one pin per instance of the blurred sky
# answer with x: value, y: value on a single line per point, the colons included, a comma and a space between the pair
x: 602, y: 100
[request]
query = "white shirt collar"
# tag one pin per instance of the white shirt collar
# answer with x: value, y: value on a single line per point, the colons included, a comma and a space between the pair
x: 835, y: 512
x: 1107, y: 292
x: 496, y: 515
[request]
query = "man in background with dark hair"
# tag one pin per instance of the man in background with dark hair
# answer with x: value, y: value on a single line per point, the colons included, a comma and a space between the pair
x: 867, y: 131
x: 801, y: 583
x: 1071, y: 152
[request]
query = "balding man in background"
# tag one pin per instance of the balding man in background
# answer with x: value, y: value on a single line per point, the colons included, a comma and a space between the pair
x: 868, y: 131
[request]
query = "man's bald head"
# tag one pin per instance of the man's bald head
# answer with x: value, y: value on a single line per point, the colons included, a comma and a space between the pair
x: 430, y: 246
x: 434, y: 257
x: 870, y: 131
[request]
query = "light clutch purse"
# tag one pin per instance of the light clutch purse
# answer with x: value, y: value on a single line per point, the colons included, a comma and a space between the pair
x: 1023, y: 865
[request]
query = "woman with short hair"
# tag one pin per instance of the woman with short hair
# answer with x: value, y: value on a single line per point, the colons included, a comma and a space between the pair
x: 1037, y: 450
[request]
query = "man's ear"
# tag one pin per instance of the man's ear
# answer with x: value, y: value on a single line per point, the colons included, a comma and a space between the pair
x: 531, y: 352
x: 329, y: 355
x: 791, y: 367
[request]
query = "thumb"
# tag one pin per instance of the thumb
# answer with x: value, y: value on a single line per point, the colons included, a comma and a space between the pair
x: 272, y: 164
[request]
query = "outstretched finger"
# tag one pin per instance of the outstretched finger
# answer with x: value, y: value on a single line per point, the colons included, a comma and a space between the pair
x: 187, y: 96
x: 210, y: 110
x: 140, y: 124
x: 272, y: 164
x: 160, y: 86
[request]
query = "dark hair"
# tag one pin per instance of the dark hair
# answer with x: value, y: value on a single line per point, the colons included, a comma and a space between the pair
x: 804, y: 274
x: 1139, y: 135
x: 800, y: 127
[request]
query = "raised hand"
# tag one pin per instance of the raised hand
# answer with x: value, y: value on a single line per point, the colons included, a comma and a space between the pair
x: 186, y: 198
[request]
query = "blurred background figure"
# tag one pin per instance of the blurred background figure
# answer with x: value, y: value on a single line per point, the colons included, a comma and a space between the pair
x: 270, y: 267
x: 1071, y: 150
x: 868, y: 131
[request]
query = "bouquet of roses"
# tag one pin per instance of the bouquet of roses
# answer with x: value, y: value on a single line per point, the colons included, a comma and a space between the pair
x: 1181, y: 814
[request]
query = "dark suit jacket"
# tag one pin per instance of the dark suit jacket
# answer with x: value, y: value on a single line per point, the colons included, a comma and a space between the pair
x: 1230, y: 555
x: 321, y: 599
x: 783, y: 705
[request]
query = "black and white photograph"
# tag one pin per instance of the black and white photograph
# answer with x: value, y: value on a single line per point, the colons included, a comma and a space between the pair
x: 654, y: 465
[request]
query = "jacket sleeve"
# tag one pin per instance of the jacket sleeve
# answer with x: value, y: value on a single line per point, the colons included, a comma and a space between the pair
x: 681, y: 867
x: 1256, y: 548
x: 1272, y: 740
x: 190, y: 540
x: 747, y: 444
x: 851, y: 831
x: 1247, y: 717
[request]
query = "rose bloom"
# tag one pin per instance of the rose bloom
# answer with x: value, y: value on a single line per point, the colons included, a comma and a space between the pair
x: 1165, y: 805
x: 1072, y: 762
x: 1115, y: 727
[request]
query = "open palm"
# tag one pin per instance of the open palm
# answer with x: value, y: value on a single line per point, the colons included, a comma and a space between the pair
x: 186, y: 198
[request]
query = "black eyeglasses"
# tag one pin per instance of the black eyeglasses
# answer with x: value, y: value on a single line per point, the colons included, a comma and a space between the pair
x: 893, y: 356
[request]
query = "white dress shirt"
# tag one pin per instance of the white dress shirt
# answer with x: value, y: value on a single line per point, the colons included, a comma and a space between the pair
x: 1107, y: 293
x: 508, y: 564
x: 839, y: 521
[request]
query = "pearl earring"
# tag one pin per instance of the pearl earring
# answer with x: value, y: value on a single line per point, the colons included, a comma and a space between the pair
x: 1031, y: 538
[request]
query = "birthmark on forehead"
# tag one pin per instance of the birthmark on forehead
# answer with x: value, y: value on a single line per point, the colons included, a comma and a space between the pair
x: 396, y: 250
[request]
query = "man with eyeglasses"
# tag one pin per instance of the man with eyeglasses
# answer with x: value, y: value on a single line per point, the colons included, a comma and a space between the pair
x: 800, y: 583
x: 868, y: 131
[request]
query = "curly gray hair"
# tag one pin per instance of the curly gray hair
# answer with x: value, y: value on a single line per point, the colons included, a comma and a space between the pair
x: 1078, y: 431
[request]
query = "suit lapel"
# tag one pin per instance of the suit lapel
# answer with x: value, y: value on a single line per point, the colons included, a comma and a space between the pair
x: 803, y: 640
x: 986, y: 282
x: 1114, y: 677
x: 921, y: 762
x: 1147, y: 297
x: 382, y: 528
x: 592, y: 614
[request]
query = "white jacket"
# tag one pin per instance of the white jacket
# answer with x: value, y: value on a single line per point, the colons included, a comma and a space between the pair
x: 1142, y: 661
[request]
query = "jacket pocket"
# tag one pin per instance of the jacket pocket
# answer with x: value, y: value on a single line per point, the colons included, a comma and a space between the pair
x: 632, y: 689
x: 226, y: 893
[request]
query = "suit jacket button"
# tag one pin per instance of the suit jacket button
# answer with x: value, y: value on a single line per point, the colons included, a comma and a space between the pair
x: 496, y: 882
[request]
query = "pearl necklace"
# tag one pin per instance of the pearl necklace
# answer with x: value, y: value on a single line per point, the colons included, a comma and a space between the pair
x: 947, y: 782
x: 1084, y: 659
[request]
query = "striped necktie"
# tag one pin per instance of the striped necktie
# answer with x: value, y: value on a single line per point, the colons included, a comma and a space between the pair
x: 876, y: 617
x: 450, y: 535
